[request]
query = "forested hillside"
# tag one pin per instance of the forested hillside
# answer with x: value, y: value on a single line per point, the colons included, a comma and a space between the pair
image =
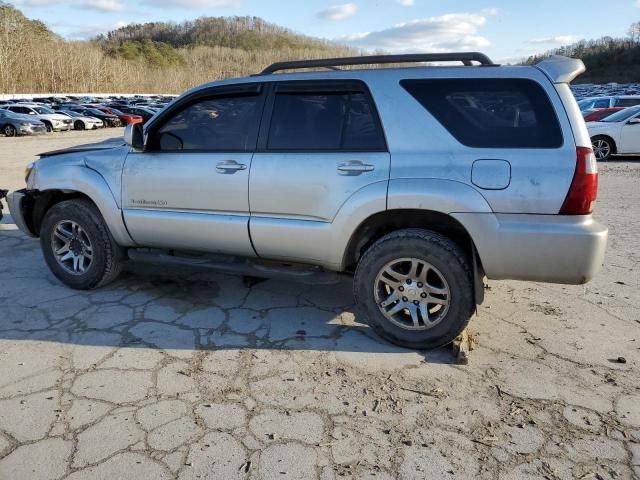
x: 153, y: 57
x: 607, y: 59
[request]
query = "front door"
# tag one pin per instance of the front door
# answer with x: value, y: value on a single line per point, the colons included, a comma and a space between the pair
x: 321, y: 142
x: 630, y: 136
x: 189, y: 188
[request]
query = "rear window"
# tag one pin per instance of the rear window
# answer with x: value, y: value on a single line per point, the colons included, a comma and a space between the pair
x: 491, y: 113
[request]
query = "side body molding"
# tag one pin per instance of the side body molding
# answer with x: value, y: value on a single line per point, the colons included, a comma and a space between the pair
x: 444, y: 196
x: 76, y: 177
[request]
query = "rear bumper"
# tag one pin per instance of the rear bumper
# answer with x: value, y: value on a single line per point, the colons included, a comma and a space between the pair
x: 16, y: 202
x: 541, y: 248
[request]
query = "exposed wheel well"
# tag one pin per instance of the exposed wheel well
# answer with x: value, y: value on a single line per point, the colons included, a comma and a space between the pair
x: 380, y: 224
x: 40, y: 202
x: 607, y: 137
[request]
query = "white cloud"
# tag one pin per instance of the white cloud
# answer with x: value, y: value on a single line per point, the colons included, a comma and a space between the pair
x: 410, y: 3
x: 192, y: 3
x: 338, y: 12
x: 557, y: 40
x: 454, y: 31
x: 101, y: 5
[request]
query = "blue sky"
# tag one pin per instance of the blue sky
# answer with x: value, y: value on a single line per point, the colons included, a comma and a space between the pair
x: 505, y: 29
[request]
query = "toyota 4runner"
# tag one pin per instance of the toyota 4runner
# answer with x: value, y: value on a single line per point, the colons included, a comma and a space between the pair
x: 418, y: 182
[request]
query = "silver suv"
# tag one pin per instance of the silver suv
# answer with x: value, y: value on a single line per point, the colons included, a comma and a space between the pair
x: 418, y: 182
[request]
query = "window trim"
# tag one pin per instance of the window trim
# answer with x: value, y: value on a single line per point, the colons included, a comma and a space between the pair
x: 316, y: 87
x: 406, y: 81
x: 235, y: 90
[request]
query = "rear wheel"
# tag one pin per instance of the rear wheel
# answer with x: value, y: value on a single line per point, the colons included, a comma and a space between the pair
x: 78, y: 247
x: 9, y: 131
x: 414, y: 288
x: 603, y: 148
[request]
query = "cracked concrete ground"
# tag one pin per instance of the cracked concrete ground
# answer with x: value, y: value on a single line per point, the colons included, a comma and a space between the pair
x: 183, y: 374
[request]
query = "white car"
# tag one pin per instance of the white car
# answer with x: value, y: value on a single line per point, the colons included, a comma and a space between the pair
x: 52, y: 120
x: 82, y: 122
x: 616, y: 134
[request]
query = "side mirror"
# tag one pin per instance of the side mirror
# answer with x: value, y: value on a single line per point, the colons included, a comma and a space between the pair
x: 634, y: 121
x: 134, y: 136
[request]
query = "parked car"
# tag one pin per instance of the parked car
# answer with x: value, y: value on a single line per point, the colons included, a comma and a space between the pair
x: 108, y: 120
x: 82, y: 122
x: 617, y: 134
x: 14, y: 124
x: 392, y: 176
x: 125, y: 118
x: 590, y: 104
x: 53, y: 121
x: 597, y: 115
x: 145, y: 113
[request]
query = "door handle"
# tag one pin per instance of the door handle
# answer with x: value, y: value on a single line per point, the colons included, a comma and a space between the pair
x: 230, y: 166
x: 354, y: 167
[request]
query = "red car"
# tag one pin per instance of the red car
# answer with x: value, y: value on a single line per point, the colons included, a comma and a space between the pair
x: 125, y: 118
x: 601, y: 114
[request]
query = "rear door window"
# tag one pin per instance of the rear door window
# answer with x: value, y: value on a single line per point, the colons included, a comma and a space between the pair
x: 602, y: 103
x: 490, y: 113
x: 321, y: 120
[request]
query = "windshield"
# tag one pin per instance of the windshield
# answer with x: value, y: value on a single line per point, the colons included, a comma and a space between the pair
x: 622, y: 115
x: 116, y: 111
x: 95, y: 111
x: 43, y: 110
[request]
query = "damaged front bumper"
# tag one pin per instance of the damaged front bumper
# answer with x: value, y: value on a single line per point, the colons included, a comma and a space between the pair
x: 16, y: 202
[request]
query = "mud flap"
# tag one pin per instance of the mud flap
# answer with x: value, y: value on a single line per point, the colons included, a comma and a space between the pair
x: 478, y: 277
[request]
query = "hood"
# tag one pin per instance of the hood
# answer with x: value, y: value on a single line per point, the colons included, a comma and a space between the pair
x: 109, y: 143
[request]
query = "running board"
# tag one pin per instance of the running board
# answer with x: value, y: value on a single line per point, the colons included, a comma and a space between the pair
x: 241, y: 266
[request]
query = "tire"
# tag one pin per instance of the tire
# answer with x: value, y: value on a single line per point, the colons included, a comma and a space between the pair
x: 9, y: 131
x: 447, y: 269
x: 48, y: 126
x: 603, y: 147
x: 78, y: 125
x: 107, y: 257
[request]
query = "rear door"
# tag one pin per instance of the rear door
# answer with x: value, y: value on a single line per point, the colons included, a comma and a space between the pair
x: 320, y: 143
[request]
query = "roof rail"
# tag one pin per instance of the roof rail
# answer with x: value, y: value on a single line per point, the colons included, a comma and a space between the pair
x: 465, y: 57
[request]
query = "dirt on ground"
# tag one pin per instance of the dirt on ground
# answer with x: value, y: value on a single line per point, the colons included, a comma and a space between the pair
x: 182, y: 374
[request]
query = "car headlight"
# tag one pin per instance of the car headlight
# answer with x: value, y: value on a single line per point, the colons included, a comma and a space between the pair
x: 27, y: 171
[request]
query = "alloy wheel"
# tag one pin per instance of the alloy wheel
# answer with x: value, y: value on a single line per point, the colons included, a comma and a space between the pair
x: 412, y: 294
x: 72, y: 247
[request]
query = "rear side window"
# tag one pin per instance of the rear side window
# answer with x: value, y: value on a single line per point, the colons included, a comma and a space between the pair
x: 327, y: 121
x: 628, y: 102
x: 602, y: 103
x: 491, y: 113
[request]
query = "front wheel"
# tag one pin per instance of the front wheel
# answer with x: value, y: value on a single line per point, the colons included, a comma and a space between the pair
x: 602, y: 148
x: 9, y: 131
x: 48, y: 126
x: 415, y: 288
x: 78, y: 125
x: 78, y: 247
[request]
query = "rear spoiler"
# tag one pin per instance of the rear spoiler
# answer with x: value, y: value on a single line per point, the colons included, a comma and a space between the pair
x: 561, y: 69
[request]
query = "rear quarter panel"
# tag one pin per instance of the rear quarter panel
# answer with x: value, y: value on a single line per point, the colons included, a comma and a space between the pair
x: 421, y: 148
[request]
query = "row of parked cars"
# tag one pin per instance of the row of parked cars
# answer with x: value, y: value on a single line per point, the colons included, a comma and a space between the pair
x: 53, y: 114
x: 613, y: 122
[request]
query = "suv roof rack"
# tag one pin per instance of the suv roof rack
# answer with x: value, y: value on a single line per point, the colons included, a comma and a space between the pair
x: 332, y: 63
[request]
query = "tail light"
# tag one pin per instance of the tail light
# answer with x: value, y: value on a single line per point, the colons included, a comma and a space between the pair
x: 584, y: 186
